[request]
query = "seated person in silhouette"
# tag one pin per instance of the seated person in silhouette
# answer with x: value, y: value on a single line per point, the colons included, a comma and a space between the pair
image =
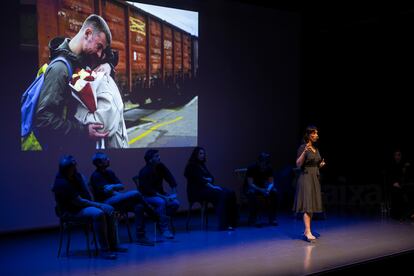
x: 73, y: 200
x: 201, y: 187
x: 150, y: 179
x: 260, y: 188
x: 107, y: 187
x: 397, y: 177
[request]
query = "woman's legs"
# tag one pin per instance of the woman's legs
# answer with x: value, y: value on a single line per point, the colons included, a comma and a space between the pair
x: 220, y: 200
x: 307, y: 218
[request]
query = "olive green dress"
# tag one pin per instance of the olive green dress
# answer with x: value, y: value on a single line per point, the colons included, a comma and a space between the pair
x: 308, y: 189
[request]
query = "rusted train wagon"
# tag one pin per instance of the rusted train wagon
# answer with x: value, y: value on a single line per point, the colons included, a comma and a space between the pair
x: 151, y: 51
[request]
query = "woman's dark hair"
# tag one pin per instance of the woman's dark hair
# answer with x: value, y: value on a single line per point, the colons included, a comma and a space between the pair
x: 309, y: 130
x: 194, y: 155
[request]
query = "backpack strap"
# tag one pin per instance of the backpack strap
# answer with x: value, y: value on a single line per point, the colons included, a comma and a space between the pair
x: 31, y: 95
x: 66, y: 62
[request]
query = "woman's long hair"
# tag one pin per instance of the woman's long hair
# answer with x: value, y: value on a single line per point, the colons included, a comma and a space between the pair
x: 194, y: 156
x: 193, y: 160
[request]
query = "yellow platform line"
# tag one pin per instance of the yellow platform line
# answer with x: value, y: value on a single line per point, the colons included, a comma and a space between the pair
x: 148, y: 120
x: 139, y: 137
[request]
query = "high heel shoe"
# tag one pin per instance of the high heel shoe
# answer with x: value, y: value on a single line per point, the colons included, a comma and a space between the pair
x: 311, y: 240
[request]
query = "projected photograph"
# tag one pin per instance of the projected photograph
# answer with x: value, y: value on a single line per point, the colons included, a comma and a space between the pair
x: 138, y: 92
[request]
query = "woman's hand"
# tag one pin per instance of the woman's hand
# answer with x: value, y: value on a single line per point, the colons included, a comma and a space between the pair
x: 94, y: 133
x: 308, y: 148
x: 106, y: 68
x: 322, y: 163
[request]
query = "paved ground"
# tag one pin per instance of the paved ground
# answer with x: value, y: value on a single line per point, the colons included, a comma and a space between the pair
x: 163, y: 127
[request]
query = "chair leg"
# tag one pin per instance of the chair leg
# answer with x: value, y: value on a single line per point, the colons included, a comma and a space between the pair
x: 68, y: 227
x: 155, y: 232
x: 203, y: 215
x: 128, y: 227
x: 94, y: 238
x: 86, y: 230
x: 206, y: 215
x: 172, y: 225
x: 187, y: 224
x: 62, y: 229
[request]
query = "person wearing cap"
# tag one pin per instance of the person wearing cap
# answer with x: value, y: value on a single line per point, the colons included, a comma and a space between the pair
x: 73, y: 200
x: 151, y: 179
x: 260, y: 186
x: 107, y: 188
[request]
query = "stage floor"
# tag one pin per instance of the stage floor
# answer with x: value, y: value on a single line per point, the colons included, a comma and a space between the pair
x: 344, y: 240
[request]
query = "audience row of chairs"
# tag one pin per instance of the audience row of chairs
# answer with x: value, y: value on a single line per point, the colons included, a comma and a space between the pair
x: 68, y: 223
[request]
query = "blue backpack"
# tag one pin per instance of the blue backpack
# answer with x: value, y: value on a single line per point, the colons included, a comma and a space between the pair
x: 31, y: 96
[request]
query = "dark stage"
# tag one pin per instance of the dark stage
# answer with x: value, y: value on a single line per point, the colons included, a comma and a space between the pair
x: 346, y: 244
x: 265, y: 71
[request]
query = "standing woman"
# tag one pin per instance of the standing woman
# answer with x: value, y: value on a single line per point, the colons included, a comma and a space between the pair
x: 308, y: 198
